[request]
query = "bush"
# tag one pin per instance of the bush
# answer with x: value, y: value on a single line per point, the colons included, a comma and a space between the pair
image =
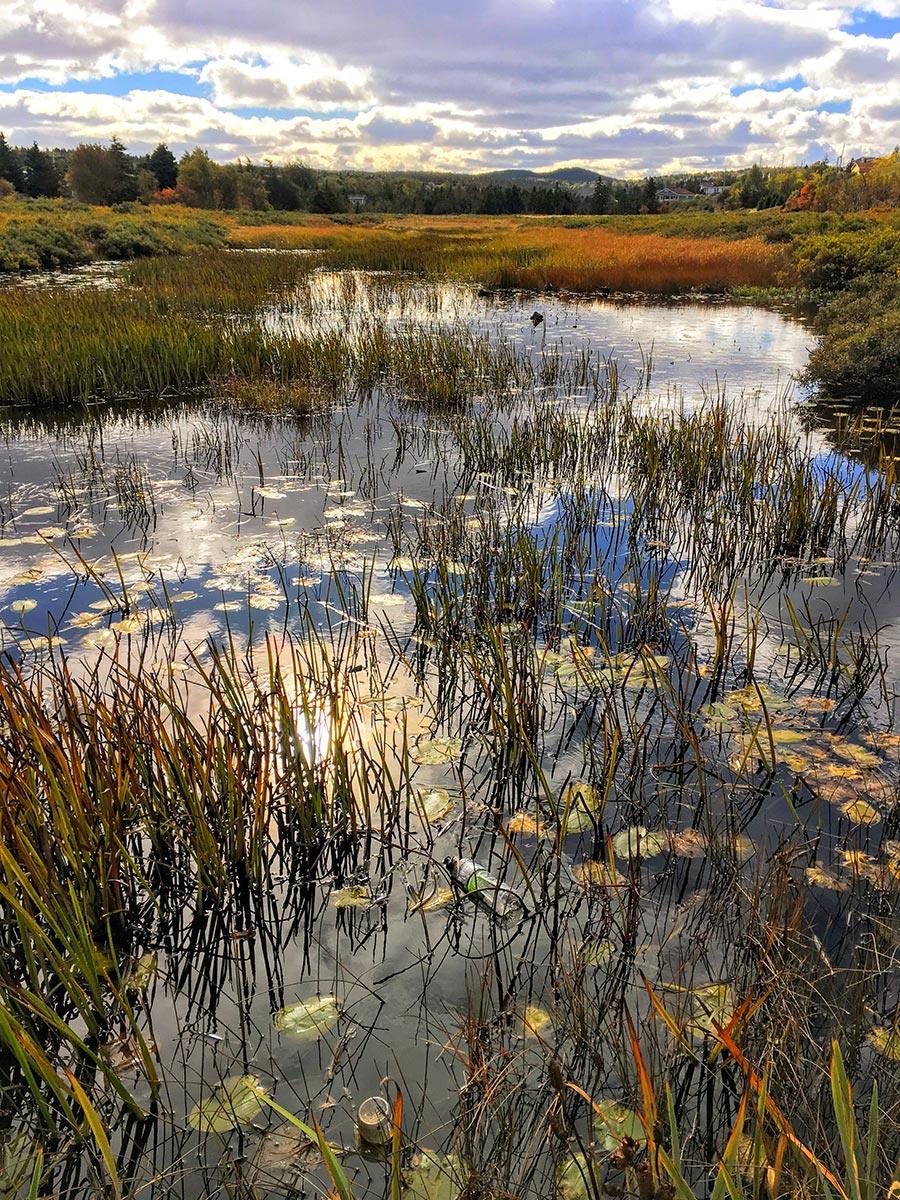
x: 858, y: 354
x: 829, y: 262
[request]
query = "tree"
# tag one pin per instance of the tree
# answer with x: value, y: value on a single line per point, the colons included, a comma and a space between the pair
x: 601, y: 196
x: 753, y: 187
x: 92, y: 174
x: 197, y: 179
x: 124, y: 186
x: 41, y: 178
x: 10, y: 167
x: 648, y: 195
x: 163, y: 165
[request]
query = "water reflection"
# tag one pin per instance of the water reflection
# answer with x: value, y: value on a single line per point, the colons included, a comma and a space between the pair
x: 458, y: 630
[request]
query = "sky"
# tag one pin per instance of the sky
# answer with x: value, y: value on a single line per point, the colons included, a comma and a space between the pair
x: 624, y: 87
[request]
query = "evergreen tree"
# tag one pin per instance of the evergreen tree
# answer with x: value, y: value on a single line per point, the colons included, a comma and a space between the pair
x: 601, y: 197
x: 41, y: 178
x: 124, y: 186
x: 648, y: 195
x: 10, y: 167
x: 163, y: 165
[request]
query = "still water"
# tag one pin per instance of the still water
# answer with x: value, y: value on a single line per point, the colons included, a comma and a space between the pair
x: 159, y: 532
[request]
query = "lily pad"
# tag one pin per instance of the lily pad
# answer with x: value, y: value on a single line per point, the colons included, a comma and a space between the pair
x: 613, y: 1123
x: 886, y: 1042
x: 434, y: 751
x: 434, y: 1176
x: 580, y: 807
x: 595, y: 952
x: 308, y: 1018
x: 351, y: 897
x: 577, y: 1178
x: 433, y: 803
x: 537, y: 1021
x: 526, y: 823
x: 236, y: 1101
x: 638, y: 842
x: 281, y: 1156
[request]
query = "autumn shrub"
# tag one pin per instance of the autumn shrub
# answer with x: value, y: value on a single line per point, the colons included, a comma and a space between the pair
x: 858, y: 355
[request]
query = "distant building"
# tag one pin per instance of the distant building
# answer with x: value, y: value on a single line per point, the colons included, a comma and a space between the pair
x: 358, y: 202
x: 862, y: 166
x: 713, y: 189
x: 667, y: 194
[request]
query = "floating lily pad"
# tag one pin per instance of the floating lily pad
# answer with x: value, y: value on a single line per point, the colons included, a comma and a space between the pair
x: 752, y: 698
x: 283, y: 1154
x: 886, y: 1042
x: 613, y: 1122
x: 526, y: 823
x: 141, y: 975
x: 236, y: 1101
x: 434, y: 751
x: 861, y: 812
x: 433, y: 803
x: 580, y: 807
x: 538, y: 1021
x: 434, y: 1176
x: 577, y: 1178
x: 351, y: 897
x: 591, y: 873
x: 638, y: 842
x: 307, y: 1018
x: 595, y: 952
x: 819, y: 876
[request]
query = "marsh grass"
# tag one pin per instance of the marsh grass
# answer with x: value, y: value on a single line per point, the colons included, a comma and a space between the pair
x: 598, y: 616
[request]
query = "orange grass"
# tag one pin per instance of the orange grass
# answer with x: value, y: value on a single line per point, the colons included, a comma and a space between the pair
x: 526, y: 253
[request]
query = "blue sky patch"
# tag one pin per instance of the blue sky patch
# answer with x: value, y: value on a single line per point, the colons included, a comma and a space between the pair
x: 863, y: 23
x: 119, y: 85
x: 834, y: 106
x: 795, y: 83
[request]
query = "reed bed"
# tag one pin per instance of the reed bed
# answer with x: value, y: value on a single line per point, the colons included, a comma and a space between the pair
x: 523, y: 254
x: 616, y: 688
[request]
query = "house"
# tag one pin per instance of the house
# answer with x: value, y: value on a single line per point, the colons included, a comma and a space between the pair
x: 667, y: 194
x: 862, y: 166
x: 357, y: 202
x: 714, y: 189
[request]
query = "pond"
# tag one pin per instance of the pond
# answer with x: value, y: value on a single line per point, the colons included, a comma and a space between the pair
x: 626, y: 642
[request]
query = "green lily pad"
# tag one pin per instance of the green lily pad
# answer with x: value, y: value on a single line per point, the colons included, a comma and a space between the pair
x: 433, y: 803
x: 638, y: 842
x: 578, y: 1177
x: 236, y: 1101
x: 595, y: 952
x: 580, y: 806
x: 613, y: 1122
x: 434, y: 751
x: 434, y: 1176
x: 307, y: 1018
x: 886, y: 1042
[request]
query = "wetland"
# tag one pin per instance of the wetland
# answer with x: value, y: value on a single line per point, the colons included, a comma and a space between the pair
x: 319, y: 586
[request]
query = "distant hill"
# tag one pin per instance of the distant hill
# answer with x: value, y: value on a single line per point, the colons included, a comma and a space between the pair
x: 570, y: 175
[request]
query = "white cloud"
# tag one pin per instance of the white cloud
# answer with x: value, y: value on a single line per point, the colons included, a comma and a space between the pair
x: 620, y: 85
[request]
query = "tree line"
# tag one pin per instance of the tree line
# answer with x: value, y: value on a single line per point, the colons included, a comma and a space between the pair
x: 109, y: 175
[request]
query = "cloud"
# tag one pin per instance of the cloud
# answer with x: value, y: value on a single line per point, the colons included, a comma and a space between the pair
x: 619, y: 85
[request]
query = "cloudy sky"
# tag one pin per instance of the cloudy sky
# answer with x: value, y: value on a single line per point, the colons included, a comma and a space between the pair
x: 620, y: 86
